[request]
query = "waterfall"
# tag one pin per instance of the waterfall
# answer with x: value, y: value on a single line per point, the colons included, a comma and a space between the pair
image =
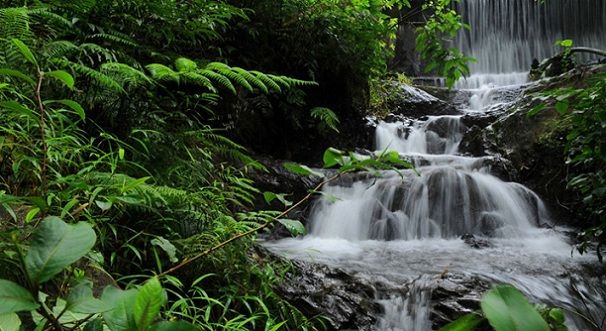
x: 410, y: 228
x: 507, y: 35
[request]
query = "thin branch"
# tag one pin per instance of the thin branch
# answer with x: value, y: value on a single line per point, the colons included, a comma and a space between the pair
x: 187, y: 261
x: 42, y: 132
x: 49, y: 317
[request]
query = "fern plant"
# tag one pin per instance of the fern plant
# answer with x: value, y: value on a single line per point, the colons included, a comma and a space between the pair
x: 216, y: 74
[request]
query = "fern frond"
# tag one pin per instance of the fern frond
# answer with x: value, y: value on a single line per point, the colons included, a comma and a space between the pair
x: 228, y: 72
x: 54, y: 19
x: 14, y: 23
x: 185, y: 65
x: 92, y: 48
x: 97, y: 76
x: 289, y: 82
x: 198, y: 79
x: 126, y: 74
x: 60, y: 48
x: 116, y: 37
x: 327, y: 116
x: 251, y: 79
x: 161, y: 72
x: 266, y: 80
x: 219, y: 78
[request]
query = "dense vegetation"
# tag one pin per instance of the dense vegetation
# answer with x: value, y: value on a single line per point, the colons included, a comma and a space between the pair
x: 116, y: 163
x: 122, y: 161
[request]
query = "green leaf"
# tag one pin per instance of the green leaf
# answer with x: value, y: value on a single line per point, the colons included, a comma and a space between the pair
x: 332, y: 157
x: 14, y: 105
x: 94, y: 325
x: 17, y: 74
x: 55, y: 245
x: 63, y: 76
x: 148, y: 303
x: 301, y: 170
x: 15, y: 298
x: 507, y: 309
x: 9, y: 322
x: 295, y: 228
x: 76, y: 107
x: 25, y: 51
x: 167, y: 247
x: 173, y: 326
x: 31, y: 214
x: 120, y: 318
x: 81, y: 300
x: 271, y: 196
x: 103, y: 205
x: 465, y: 323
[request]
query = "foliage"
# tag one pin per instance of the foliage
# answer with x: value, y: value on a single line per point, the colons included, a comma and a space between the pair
x: 585, y: 113
x: 507, y: 309
x: 167, y: 179
x: 433, y: 38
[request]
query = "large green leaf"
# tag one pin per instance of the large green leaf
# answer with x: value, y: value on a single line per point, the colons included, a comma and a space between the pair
x: 9, y: 322
x: 148, y: 303
x: 14, y: 298
x: 81, y: 300
x: 63, y: 76
x: 507, y: 309
x: 293, y: 226
x: 120, y: 318
x: 55, y: 245
x: 25, y: 51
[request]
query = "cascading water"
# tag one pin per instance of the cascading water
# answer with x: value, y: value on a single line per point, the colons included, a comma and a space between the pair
x: 507, y: 35
x: 406, y: 228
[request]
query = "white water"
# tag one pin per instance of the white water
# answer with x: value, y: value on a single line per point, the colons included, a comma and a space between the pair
x: 404, y: 230
x: 507, y: 35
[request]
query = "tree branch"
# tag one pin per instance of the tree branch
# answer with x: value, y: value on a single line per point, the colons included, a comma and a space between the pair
x: 187, y: 261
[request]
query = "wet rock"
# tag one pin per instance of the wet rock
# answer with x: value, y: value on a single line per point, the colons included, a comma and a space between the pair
x: 320, y: 290
x: 474, y: 142
x: 455, y: 296
x: 411, y: 102
x: 473, y: 242
x: 489, y: 223
x: 535, y: 145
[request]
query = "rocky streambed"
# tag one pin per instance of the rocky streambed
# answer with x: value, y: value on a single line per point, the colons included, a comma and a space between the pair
x: 415, y: 252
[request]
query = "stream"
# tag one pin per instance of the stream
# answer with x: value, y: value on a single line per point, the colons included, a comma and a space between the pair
x: 406, y: 231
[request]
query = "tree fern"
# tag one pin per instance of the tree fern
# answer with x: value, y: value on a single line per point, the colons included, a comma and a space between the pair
x: 219, y: 78
x: 97, y: 76
x: 252, y: 79
x: 125, y: 74
x: 185, y: 65
x: 161, y: 72
x: 198, y: 79
x: 14, y: 23
x: 115, y: 37
x: 216, y: 74
x: 59, y: 48
x: 267, y: 80
x: 327, y: 116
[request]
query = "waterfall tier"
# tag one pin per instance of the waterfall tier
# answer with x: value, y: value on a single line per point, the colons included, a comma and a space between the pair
x: 507, y: 35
